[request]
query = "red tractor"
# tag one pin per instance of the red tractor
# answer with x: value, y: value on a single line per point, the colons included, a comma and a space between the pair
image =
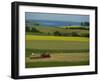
x: 45, y: 55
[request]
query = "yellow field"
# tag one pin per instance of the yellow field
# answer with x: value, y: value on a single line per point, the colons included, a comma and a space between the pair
x: 34, y: 37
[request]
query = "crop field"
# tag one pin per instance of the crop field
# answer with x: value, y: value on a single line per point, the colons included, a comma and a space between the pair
x: 64, y: 51
x: 35, y: 37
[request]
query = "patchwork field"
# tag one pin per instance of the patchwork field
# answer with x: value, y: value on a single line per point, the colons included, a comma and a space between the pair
x: 54, y: 40
x: 63, y: 29
x: 64, y: 51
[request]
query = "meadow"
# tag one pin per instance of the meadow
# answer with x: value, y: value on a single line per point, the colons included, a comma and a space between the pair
x: 64, y: 51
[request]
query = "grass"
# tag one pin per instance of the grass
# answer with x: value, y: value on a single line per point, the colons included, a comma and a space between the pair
x: 76, y: 27
x: 55, y: 64
x: 59, y: 59
x: 35, y: 37
x: 46, y: 29
x: 64, y: 51
x: 56, y: 45
x: 40, y: 51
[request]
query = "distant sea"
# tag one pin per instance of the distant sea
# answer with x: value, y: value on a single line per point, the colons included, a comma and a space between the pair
x: 53, y: 23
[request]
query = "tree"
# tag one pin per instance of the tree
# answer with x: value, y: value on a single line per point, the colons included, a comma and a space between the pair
x: 57, y: 33
x: 49, y: 33
x: 36, y: 24
x: 84, y: 23
x: 85, y: 35
x: 75, y: 34
x: 27, y: 29
x: 34, y: 30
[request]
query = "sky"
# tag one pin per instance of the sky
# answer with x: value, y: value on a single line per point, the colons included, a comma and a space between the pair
x: 56, y: 17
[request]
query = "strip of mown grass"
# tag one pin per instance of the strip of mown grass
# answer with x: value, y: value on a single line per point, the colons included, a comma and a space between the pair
x: 54, y: 64
x: 39, y: 51
x: 56, y: 45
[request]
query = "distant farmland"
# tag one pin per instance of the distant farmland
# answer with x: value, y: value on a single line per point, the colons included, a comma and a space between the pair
x: 46, y: 30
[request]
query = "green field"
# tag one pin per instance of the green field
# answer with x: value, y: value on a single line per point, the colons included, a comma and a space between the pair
x: 60, y: 29
x: 55, y: 64
x: 46, y: 30
x: 64, y: 51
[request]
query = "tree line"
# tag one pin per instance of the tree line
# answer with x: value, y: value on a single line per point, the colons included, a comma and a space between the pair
x: 57, y: 33
x: 73, y: 34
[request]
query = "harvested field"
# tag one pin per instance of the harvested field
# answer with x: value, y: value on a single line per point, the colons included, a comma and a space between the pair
x: 59, y: 59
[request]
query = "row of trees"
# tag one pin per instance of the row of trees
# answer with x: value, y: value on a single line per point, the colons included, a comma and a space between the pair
x: 81, y: 28
x: 28, y: 29
x: 57, y: 33
x: 74, y: 34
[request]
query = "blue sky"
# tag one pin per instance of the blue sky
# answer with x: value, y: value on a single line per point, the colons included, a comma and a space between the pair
x: 56, y: 17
